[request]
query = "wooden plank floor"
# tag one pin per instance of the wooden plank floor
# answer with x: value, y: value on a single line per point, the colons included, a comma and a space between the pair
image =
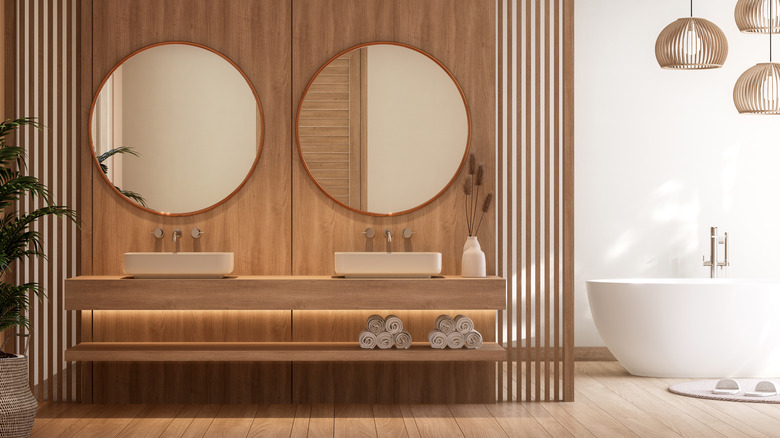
x: 609, y: 403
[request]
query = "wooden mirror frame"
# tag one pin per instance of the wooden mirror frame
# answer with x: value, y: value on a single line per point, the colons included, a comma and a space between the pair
x: 259, y: 146
x: 468, y: 134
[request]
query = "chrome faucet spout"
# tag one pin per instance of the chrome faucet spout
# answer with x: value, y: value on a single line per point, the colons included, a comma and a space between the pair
x: 389, y: 235
x: 713, y: 262
x: 176, y: 238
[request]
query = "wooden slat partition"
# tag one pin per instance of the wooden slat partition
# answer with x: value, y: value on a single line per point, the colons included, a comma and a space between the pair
x: 535, y: 172
x: 40, y: 45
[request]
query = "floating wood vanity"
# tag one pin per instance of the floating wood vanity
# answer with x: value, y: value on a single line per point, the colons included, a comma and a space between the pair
x: 303, y: 297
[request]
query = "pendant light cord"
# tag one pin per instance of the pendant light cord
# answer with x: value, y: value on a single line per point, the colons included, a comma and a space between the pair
x: 691, y: 8
x: 771, y: 25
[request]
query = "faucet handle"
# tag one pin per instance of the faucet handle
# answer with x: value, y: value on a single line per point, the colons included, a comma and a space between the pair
x: 407, y: 233
x: 370, y: 233
x: 158, y: 233
x: 196, y: 233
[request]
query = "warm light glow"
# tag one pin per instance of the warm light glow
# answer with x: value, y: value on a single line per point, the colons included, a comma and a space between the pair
x: 756, y: 91
x: 753, y: 16
x: 769, y: 89
x: 691, y: 44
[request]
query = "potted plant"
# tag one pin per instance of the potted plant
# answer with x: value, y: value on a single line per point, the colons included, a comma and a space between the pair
x: 18, y: 241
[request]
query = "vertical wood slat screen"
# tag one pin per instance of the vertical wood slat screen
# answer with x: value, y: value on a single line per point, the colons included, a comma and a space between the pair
x: 536, y: 198
x: 41, y: 71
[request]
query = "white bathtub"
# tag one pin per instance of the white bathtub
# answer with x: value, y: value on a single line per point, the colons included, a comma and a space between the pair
x: 696, y: 328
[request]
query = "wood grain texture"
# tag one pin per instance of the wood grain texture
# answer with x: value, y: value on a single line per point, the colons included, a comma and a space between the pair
x: 279, y: 193
x: 610, y: 403
x: 274, y: 352
x: 119, y: 27
x: 461, y: 35
x: 284, y: 293
x: 36, y: 84
x: 262, y: 243
x: 84, y: 176
x: 273, y: 421
x: 568, y: 200
x: 539, y: 193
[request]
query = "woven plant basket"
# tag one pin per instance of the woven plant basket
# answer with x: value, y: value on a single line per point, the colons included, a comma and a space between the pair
x: 17, y: 403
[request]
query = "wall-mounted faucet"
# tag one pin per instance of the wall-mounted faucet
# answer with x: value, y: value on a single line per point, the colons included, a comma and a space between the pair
x: 176, y: 238
x: 713, y: 262
x: 389, y: 237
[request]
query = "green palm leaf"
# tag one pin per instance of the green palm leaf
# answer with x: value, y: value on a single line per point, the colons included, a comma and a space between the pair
x: 17, y: 238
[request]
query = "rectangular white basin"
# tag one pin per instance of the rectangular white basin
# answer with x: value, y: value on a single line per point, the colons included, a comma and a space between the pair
x: 178, y: 265
x: 383, y: 264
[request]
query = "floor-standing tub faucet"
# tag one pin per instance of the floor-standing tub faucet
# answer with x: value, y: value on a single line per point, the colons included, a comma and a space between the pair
x: 713, y: 262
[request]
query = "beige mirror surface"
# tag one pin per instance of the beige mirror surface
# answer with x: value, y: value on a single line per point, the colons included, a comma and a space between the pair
x: 383, y: 128
x: 191, y: 120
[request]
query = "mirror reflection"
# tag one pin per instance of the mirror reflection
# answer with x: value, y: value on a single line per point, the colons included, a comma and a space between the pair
x: 383, y: 128
x: 176, y: 128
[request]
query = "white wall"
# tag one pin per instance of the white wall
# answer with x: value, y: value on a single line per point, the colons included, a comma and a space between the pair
x: 663, y: 155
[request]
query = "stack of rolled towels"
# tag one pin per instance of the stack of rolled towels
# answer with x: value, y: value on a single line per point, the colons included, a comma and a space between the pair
x: 384, y: 333
x: 454, y: 333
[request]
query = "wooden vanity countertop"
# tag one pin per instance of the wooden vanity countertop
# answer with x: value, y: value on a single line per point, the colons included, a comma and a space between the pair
x: 284, y: 293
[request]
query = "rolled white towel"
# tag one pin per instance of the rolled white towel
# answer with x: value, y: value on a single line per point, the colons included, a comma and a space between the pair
x: 463, y: 324
x: 455, y: 340
x: 384, y: 340
x: 403, y: 340
x: 367, y: 339
x: 445, y: 324
x: 375, y: 324
x: 393, y: 324
x: 437, y: 339
x: 473, y: 339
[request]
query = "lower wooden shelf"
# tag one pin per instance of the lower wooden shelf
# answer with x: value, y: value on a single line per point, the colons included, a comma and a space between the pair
x: 273, y: 352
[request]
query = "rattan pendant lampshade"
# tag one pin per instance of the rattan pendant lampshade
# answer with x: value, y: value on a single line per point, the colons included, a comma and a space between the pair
x: 757, y: 91
x: 691, y: 44
x: 753, y: 16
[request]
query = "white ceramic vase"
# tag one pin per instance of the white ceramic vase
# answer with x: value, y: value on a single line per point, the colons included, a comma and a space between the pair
x: 473, y: 262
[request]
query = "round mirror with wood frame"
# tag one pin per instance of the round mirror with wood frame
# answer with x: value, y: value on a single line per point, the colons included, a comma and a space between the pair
x: 383, y: 128
x: 176, y: 128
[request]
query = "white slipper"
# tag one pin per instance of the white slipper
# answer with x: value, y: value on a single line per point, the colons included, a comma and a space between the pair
x: 763, y: 389
x: 726, y: 386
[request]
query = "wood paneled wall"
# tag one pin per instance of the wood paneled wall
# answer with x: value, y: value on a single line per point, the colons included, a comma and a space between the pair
x: 461, y: 35
x: 254, y: 224
x: 41, y: 74
x: 535, y: 165
x: 280, y: 223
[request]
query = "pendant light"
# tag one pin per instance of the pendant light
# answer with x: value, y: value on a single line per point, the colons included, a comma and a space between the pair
x: 757, y: 91
x: 691, y: 44
x: 754, y: 16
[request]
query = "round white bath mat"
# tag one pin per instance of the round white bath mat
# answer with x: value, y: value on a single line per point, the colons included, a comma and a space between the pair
x: 703, y: 389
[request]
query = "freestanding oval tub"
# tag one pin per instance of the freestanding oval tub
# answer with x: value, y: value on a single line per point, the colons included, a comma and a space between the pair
x: 690, y: 327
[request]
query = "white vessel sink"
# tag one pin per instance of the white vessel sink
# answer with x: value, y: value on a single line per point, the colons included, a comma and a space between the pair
x: 383, y: 264
x: 178, y: 265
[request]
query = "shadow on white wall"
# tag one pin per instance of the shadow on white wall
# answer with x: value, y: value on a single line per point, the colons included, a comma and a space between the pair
x: 663, y: 155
